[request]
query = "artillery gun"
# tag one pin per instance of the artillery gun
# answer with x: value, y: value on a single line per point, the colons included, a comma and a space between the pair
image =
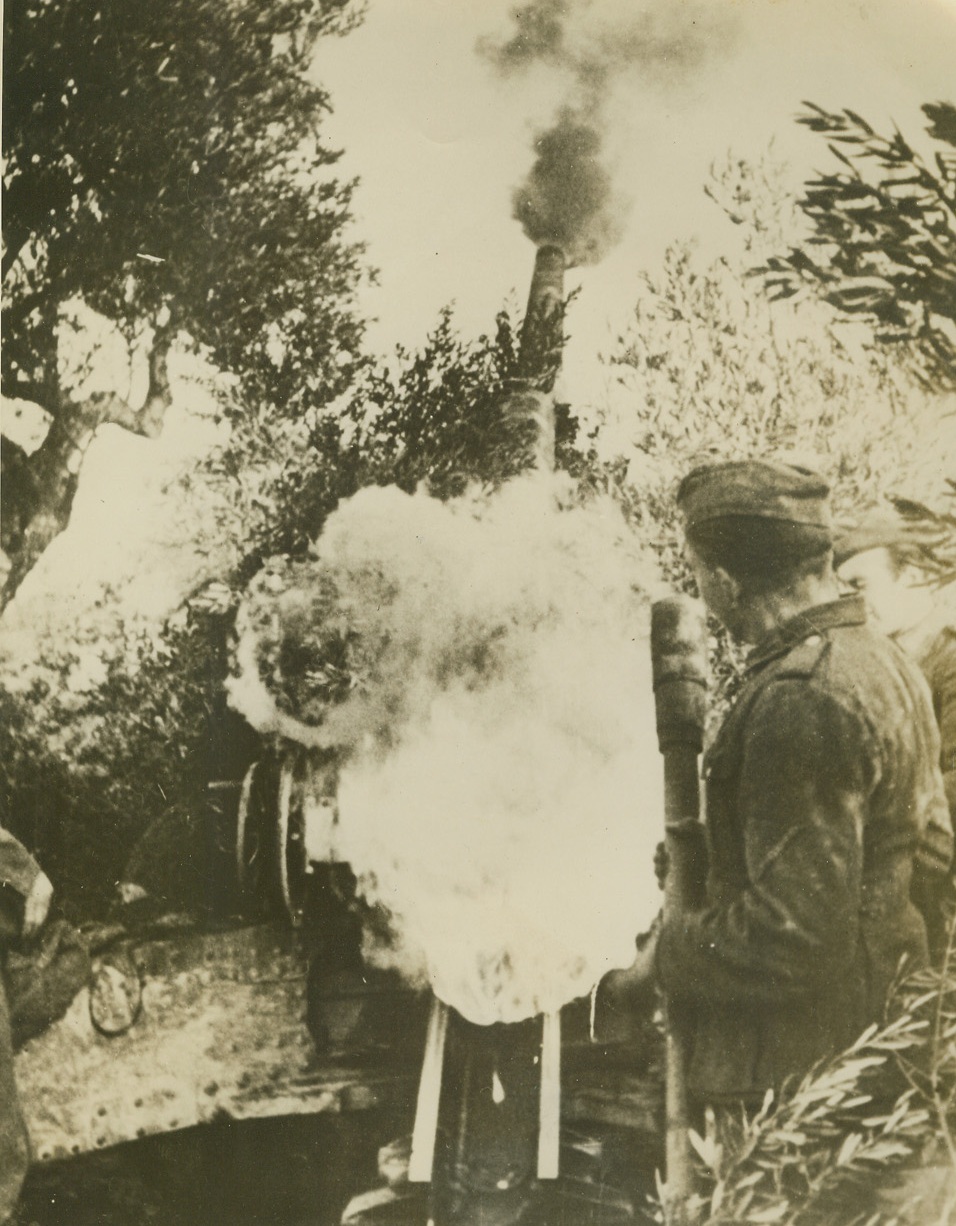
x: 269, y: 1014
x: 273, y: 1012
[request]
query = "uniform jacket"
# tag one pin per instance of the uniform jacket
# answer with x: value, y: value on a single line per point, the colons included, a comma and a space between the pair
x: 932, y: 644
x: 937, y: 659
x: 820, y: 786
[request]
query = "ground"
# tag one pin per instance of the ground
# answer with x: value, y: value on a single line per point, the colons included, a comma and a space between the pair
x: 284, y: 1172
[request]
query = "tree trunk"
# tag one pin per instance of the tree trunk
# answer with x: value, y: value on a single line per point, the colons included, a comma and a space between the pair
x: 38, y: 489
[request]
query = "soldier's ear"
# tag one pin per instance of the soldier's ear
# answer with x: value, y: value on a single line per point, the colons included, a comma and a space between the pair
x: 731, y: 589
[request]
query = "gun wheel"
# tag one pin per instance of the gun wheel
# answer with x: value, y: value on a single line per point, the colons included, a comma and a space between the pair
x: 250, y: 825
x: 291, y: 857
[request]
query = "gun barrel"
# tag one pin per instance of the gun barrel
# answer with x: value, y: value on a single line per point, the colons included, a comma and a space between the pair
x: 532, y: 396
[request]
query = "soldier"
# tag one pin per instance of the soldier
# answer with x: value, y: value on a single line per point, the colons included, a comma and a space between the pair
x: 884, y: 558
x: 25, y: 894
x: 821, y: 784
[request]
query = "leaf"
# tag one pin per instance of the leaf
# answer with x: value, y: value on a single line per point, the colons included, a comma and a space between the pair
x: 859, y: 121
x: 775, y: 1213
x: 791, y: 1137
x: 704, y: 1146
x: 849, y: 1147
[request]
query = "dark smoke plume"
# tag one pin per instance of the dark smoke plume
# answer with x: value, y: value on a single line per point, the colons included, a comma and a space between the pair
x: 569, y: 197
x: 539, y: 35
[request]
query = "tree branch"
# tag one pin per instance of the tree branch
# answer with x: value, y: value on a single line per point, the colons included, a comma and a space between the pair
x: 39, y: 504
x: 158, y: 395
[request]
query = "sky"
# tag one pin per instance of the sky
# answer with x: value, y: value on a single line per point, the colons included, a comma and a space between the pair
x: 439, y: 138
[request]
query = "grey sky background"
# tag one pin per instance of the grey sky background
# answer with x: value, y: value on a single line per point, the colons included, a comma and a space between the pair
x: 439, y: 139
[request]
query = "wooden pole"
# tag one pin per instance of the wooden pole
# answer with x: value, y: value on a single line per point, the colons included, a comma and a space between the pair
x: 679, y: 657
x: 425, y: 1131
x: 549, y: 1113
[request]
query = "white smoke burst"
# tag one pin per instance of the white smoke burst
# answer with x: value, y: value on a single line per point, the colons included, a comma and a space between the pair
x: 500, y: 795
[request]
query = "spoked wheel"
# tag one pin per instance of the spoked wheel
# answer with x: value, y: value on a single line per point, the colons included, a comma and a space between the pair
x: 291, y: 853
x: 253, y: 822
x: 285, y: 817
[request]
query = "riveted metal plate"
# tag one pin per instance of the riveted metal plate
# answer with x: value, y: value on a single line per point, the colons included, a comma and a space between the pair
x: 220, y: 1032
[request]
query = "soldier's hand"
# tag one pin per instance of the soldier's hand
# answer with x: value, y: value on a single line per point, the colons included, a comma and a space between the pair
x: 624, y: 995
x: 640, y: 978
x: 36, y: 905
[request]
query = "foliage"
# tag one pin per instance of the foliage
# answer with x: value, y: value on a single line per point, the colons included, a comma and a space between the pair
x: 272, y: 482
x: 847, y: 1143
x: 440, y: 415
x: 166, y: 171
x: 883, y: 241
x: 169, y: 158
x: 86, y: 768
x: 716, y: 371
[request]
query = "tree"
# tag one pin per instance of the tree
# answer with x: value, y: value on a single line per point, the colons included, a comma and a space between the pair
x: 442, y: 415
x: 165, y: 170
x: 439, y: 415
x: 708, y: 369
x: 716, y: 368
x: 108, y: 734
x: 883, y: 234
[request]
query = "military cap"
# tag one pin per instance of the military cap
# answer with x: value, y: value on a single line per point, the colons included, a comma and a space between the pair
x: 766, y: 489
x: 878, y: 530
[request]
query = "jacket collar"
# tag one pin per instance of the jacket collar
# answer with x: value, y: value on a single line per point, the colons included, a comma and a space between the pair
x: 847, y: 611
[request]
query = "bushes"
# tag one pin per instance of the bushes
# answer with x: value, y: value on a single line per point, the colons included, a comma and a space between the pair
x: 84, y: 772
x: 866, y: 1138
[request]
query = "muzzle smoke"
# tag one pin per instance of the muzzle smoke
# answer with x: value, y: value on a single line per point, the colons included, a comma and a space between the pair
x: 500, y: 793
x: 569, y: 197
